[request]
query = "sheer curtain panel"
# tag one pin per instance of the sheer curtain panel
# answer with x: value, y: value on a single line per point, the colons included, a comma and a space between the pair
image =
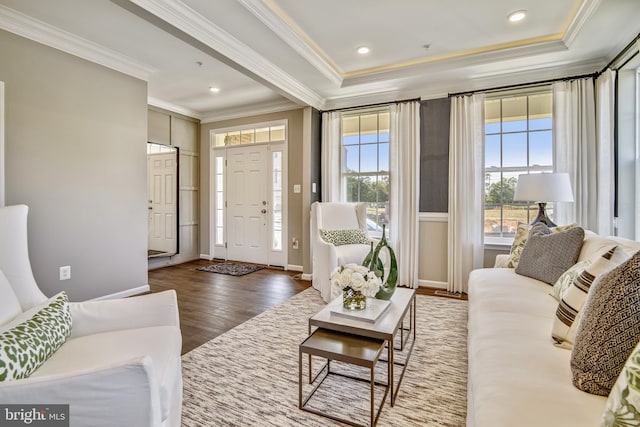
x: 466, y: 190
x: 605, y: 125
x: 574, y: 134
x: 405, y: 192
x: 330, y: 162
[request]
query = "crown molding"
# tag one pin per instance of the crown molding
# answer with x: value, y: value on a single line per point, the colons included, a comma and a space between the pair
x: 462, y: 59
x: 250, y: 110
x: 579, y: 19
x: 173, y: 107
x: 41, y: 32
x: 237, y: 54
x: 285, y: 28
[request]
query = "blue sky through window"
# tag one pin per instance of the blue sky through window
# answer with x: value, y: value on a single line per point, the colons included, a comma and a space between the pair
x: 514, y: 143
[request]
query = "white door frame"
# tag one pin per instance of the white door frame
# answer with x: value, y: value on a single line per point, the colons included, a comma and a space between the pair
x: 219, y: 251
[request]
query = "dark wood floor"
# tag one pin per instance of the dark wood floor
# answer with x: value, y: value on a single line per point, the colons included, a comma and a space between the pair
x: 210, y: 304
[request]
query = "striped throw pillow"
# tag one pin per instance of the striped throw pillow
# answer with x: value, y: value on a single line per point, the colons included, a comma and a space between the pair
x: 565, y: 324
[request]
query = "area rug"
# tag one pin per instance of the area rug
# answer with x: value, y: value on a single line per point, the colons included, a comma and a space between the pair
x: 249, y: 375
x: 231, y: 268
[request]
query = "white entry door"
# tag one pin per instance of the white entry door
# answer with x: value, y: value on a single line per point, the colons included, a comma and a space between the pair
x: 247, y: 204
x: 162, y: 202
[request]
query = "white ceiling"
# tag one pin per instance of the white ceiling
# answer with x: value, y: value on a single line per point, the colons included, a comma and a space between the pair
x: 273, y: 55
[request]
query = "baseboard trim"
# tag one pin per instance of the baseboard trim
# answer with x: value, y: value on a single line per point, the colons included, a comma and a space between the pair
x: 433, y: 284
x: 293, y: 267
x: 306, y: 277
x: 206, y: 256
x: 125, y: 293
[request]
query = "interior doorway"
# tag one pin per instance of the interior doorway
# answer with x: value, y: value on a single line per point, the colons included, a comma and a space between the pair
x: 162, y: 182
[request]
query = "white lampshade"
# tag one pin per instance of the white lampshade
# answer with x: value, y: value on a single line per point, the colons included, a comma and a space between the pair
x: 544, y: 187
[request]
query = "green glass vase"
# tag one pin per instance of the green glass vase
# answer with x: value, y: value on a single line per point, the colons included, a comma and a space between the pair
x: 375, y: 264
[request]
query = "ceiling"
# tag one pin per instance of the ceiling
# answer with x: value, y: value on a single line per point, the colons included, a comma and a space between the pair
x: 274, y: 55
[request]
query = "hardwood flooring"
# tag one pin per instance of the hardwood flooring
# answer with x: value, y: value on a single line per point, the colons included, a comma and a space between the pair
x: 211, y: 304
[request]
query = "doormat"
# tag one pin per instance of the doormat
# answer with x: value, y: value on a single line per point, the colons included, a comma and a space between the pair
x: 231, y: 268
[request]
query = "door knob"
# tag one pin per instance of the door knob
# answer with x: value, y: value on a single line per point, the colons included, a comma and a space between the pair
x: 263, y: 211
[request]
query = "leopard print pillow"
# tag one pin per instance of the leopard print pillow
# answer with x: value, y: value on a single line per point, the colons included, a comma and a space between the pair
x: 29, y: 344
x: 344, y: 237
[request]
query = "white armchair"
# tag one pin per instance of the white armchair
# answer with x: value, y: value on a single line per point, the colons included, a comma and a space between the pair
x: 326, y: 257
x: 121, y: 365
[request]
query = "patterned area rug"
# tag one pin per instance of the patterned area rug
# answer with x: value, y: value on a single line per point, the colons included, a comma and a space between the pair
x: 231, y: 268
x: 249, y: 375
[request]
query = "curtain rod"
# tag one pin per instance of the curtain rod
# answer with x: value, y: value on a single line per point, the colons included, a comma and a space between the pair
x: 378, y: 104
x: 522, y: 86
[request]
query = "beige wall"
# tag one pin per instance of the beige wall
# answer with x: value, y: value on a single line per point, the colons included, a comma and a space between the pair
x: 294, y: 164
x: 433, y: 251
x: 76, y: 154
x: 432, y: 247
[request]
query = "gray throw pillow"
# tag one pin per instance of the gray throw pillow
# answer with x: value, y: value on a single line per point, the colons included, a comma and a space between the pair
x: 547, y: 255
x: 609, y: 329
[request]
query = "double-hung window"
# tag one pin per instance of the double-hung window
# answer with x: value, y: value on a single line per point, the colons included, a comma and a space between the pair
x: 518, y: 140
x: 365, y: 164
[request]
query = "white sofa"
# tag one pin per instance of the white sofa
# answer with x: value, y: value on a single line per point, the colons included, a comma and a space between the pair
x: 517, y: 377
x: 121, y: 365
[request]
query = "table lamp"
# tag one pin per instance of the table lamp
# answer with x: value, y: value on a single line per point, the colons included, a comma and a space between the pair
x: 543, y: 188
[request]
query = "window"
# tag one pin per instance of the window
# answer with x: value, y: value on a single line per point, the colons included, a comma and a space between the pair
x: 365, y: 164
x: 518, y: 140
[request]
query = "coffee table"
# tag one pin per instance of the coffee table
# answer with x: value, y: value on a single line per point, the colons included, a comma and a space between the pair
x: 385, y: 328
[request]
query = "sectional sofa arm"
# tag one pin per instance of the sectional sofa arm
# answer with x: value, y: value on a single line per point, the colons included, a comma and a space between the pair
x: 122, y: 394
x: 92, y: 317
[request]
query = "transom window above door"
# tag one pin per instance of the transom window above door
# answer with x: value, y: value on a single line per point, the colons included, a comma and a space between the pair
x: 257, y: 135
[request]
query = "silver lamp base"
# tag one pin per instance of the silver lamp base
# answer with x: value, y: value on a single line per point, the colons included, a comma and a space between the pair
x: 542, y: 216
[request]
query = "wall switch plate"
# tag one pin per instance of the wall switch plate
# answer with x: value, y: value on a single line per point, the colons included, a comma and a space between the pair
x: 65, y: 272
x: 313, y: 187
x: 296, y: 188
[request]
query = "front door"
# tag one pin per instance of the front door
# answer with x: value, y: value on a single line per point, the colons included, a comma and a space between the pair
x: 247, y: 206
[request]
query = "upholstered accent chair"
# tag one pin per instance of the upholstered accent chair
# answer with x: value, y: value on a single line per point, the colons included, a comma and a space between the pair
x: 327, y: 218
x: 119, y: 366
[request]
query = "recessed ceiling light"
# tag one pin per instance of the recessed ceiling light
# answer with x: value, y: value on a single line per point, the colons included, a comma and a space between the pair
x: 214, y: 89
x: 363, y: 50
x: 518, y: 15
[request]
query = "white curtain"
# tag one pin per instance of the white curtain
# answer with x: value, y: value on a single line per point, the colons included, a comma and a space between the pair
x: 574, y: 134
x: 605, y: 125
x: 466, y: 190
x: 330, y: 162
x: 404, y: 129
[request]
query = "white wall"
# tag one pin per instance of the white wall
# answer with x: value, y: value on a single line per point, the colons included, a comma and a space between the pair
x: 75, y: 141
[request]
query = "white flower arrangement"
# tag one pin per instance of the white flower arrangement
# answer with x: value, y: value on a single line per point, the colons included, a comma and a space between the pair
x: 356, y: 277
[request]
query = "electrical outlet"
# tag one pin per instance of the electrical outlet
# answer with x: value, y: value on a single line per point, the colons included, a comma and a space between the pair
x: 65, y: 272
